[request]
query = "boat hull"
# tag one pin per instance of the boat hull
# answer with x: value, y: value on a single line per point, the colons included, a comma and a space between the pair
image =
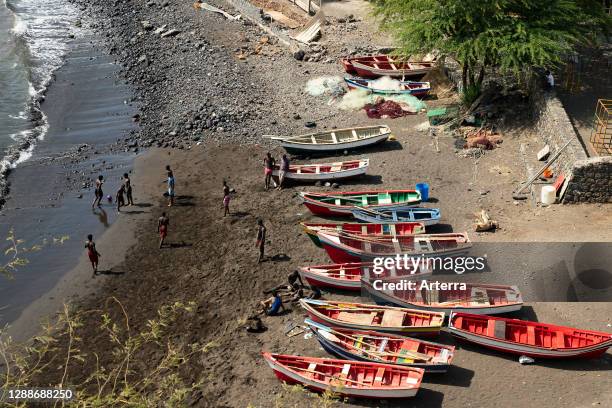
x: 383, y: 298
x: 329, y: 282
x: 417, y: 228
x: 298, y: 148
x: 374, y: 219
x: 538, y: 340
x: 289, y: 377
x: 326, y: 176
x: 357, y: 84
x: 534, y: 352
x: 340, y: 253
x: 334, y: 349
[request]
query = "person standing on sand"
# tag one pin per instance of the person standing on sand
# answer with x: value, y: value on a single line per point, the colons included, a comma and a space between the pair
x: 170, y: 181
x: 99, y: 194
x: 284, y: 168
x: 93, y: 254
x: 226, y: 198
x: 127, y: 185
x: 119, y: 198
x: 162, y: 228
x: 261, y: 239
x: 268, y: 167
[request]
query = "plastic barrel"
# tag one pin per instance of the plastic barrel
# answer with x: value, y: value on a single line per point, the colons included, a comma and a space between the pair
x: 423, y: 188
x: 548, y: 195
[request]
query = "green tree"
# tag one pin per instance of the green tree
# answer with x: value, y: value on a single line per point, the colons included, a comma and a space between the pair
x: 510, y: 35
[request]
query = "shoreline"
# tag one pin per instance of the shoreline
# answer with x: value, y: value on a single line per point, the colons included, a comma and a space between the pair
x: 51, y: 191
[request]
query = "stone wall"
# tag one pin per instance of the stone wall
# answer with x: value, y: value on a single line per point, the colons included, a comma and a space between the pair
x: 591, y: 181
x: 591, y: 178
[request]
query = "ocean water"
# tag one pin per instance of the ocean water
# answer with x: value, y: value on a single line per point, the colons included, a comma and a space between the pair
x: 35, y: 36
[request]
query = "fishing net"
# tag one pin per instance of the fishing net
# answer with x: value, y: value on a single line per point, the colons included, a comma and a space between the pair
x: 325, y: 85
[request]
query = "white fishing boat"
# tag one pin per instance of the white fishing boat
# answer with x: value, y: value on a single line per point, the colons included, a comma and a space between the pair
x: 325, y: 171
x: 334, y: 140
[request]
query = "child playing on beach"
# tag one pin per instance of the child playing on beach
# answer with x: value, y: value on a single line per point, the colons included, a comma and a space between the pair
x: 273, y: 305
x: 284, y: 169
x: 93, y: 254
x: 119, y: 198
x: 261, y: 239
x: 162, y: 228
x: 226, y: 198
x: 99, y: 194
x: 268, y: 167
x: 170, y: 181
x: 127, y: 185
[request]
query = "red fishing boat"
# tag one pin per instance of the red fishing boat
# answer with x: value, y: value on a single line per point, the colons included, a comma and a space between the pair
x: 342, y: 202
x: 384, y: 65
x: 348, y: 276
x: 392, y: 230
x: 534, y: 339
x: 349, y: 247
x: 363, y: 316
x: 383, y: 348
x: 346, y: 377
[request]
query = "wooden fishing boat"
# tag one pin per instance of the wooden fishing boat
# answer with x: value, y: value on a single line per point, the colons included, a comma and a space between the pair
x: 427, y: 216
x: 405, y: 87
x: 334, y: 140
x: 383, y: 348
x: 345, y: 247
x: 385, y: 65
x: 348, y: 276
x: 341, y: 203
x: 325, y: 171
x: 403, y: 228
x: 346, y: 377
x: 362, y: 316
x: 534, y: 339
x: 470, y: 297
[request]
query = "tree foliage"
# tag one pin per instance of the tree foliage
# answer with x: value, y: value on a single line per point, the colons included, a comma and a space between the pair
x: 506, y: 34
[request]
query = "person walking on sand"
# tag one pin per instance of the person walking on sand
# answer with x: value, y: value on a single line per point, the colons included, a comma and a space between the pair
x: 170, y: 181
x: 268, y: 167
x: 127, y: 185
x: 162, y: 228
x: 99, y: 194
x: 226, y: 198
x: 119, y: 199
x: 261, y: 239
x: 284, y: 168
x: 93, y: 254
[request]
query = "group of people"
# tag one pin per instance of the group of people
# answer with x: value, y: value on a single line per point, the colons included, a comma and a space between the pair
x: 270, y: 166
x: 291, y: 292
x: 125, y: 191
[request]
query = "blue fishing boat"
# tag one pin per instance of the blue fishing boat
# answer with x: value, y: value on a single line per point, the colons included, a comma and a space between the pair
x: 405, y: 87
x: 427, y: 216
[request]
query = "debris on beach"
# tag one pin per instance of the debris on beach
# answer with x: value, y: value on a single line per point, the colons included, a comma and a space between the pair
x: 359, y: 98
x: 206, y: 6
x: 383, y: 109
x: 484, y: 138
x: 526, y: 360
x: 325, y: 85
x: 484, y: 223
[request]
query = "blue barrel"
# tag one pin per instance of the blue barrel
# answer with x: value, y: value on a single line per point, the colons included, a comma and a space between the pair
x: 423, y: 188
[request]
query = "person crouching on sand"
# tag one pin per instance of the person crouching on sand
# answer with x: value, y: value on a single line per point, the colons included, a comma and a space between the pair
x: 162, y: 228
x: 127, y: 185
x: 99, y: 194
x: 226, y: 198
x: 93, y: 254
x: 261, y: 239
x: 119, y: 199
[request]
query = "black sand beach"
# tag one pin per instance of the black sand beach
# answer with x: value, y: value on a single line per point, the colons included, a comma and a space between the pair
x: 87, y: 112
